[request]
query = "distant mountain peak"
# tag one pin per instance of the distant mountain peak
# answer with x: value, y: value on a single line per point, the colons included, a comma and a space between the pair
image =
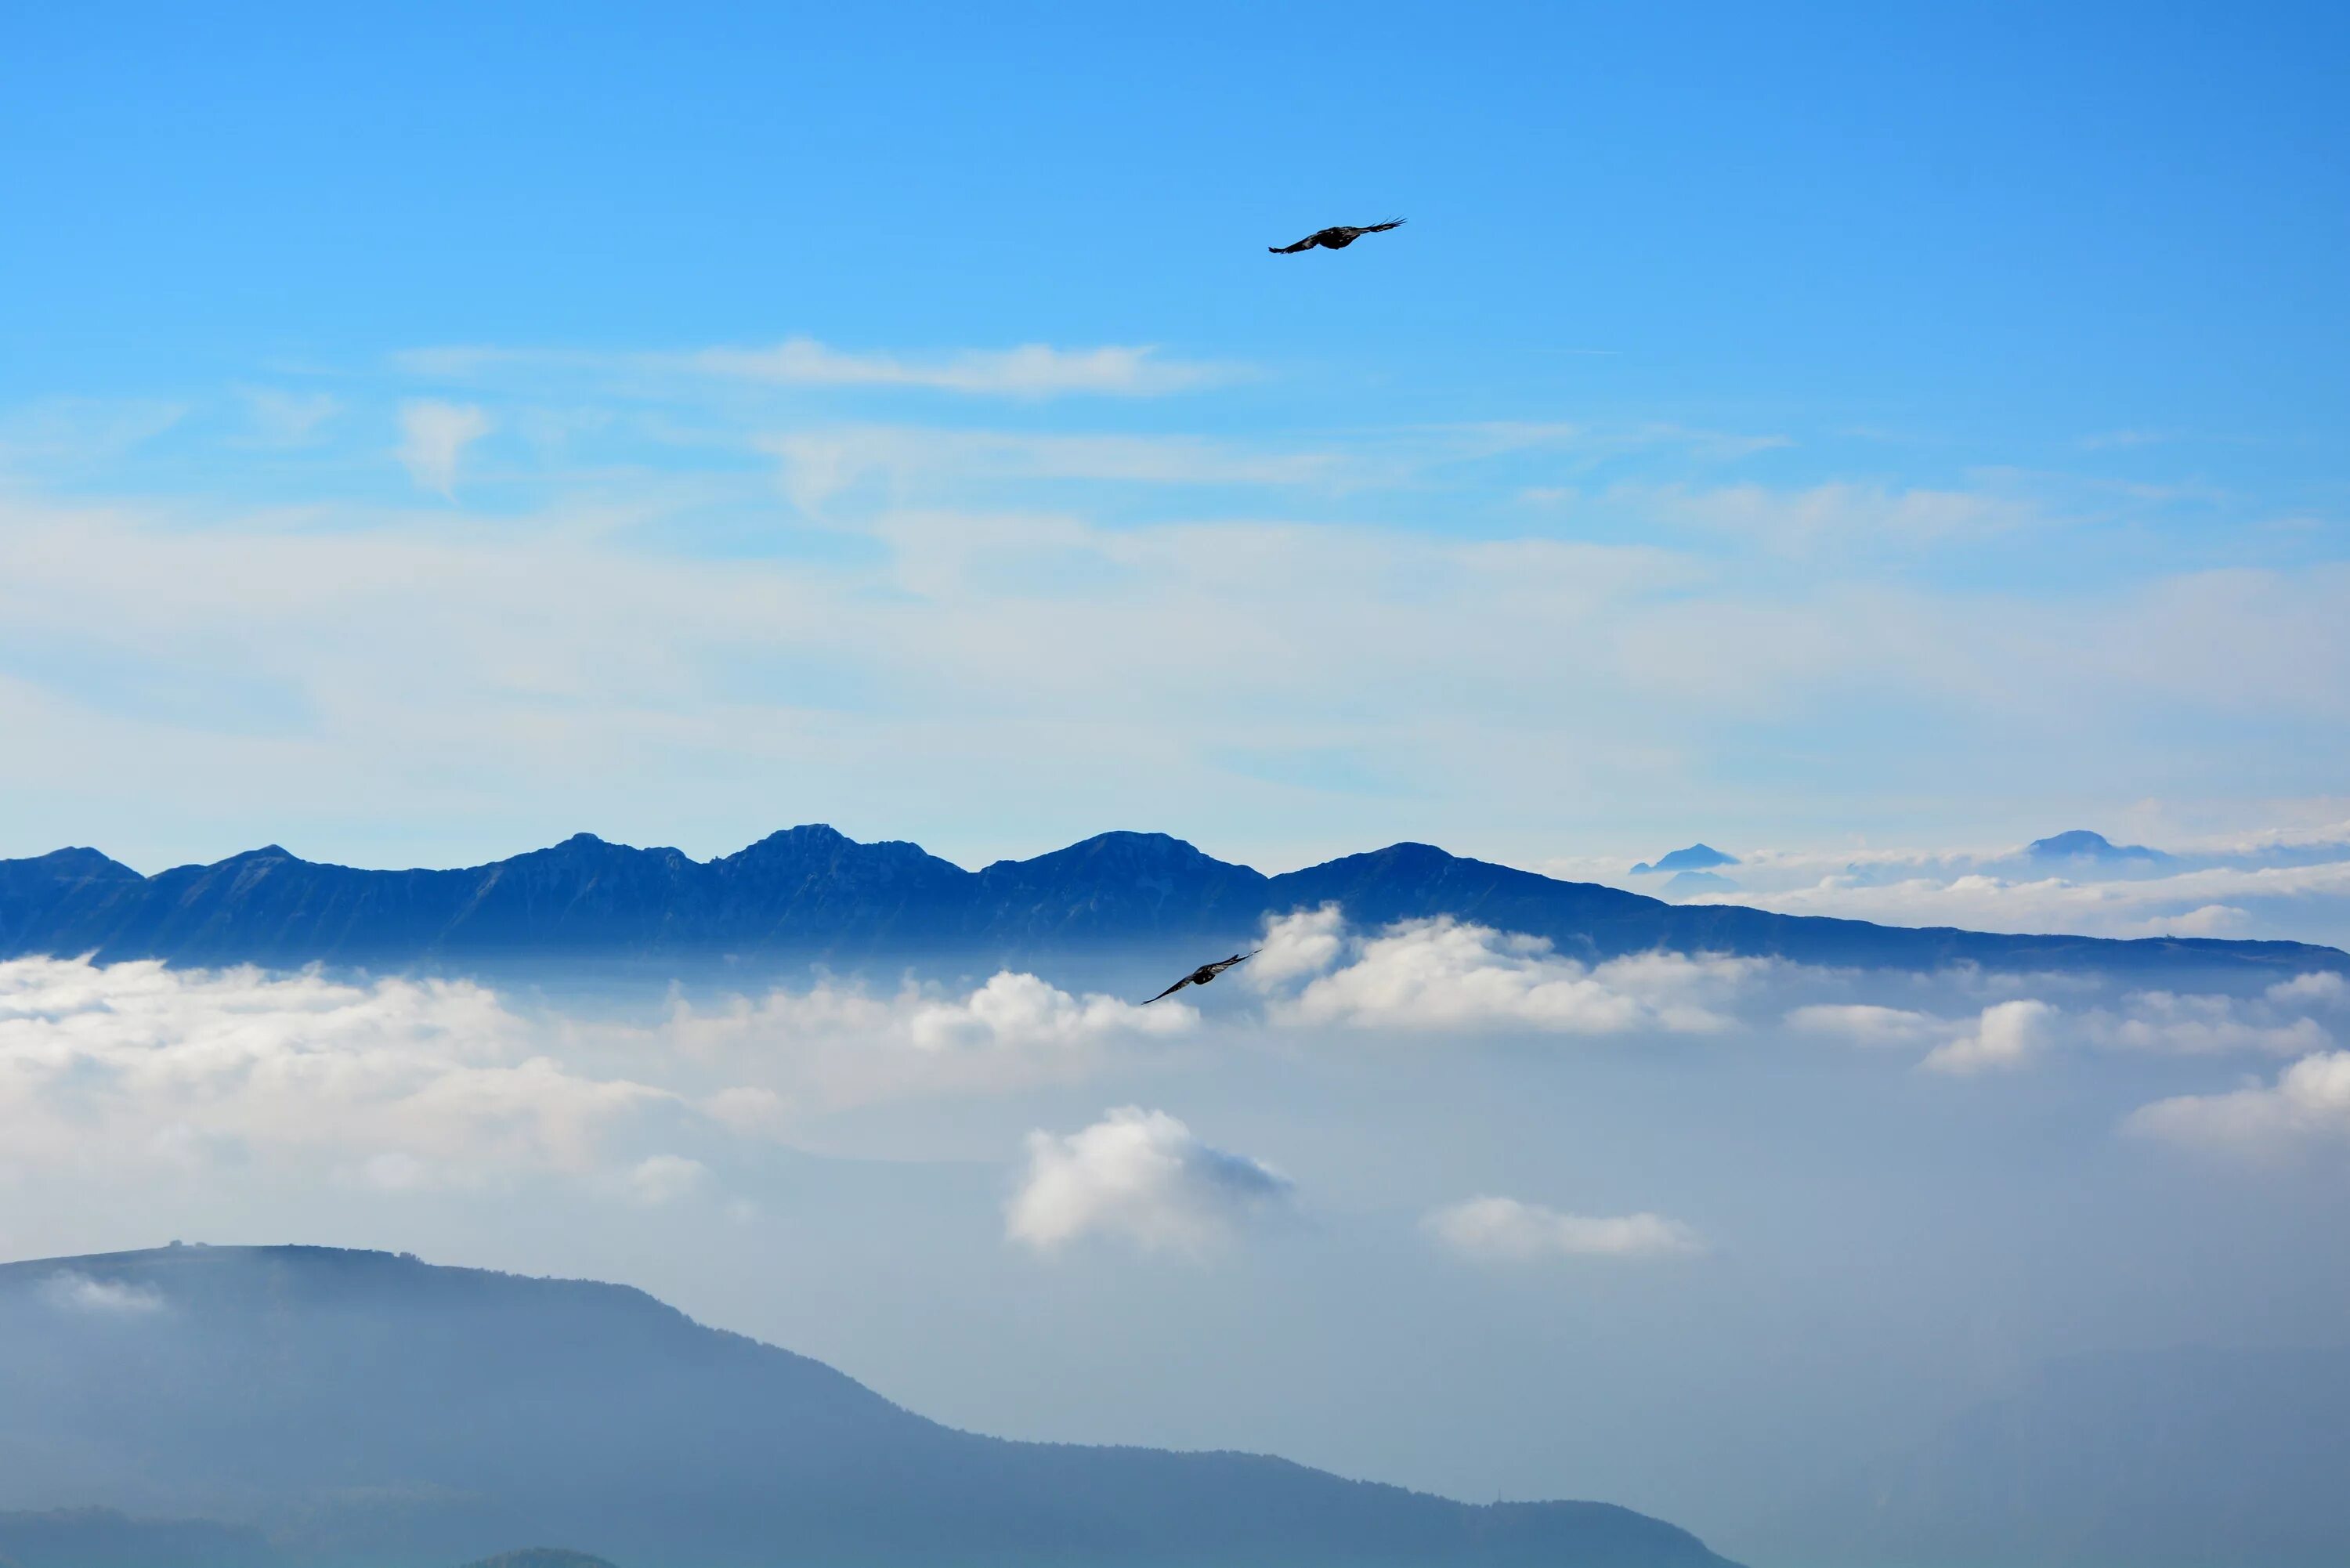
x: 2080, y: 843
x: 1696, y: 857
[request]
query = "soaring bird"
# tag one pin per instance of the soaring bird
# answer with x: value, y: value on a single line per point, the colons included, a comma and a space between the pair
x: 1206, y: 972
x: 1336, y: 239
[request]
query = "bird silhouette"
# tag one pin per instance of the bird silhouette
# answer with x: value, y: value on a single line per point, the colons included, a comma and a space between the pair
x: 1336, y: 238
x: 1206, y: 972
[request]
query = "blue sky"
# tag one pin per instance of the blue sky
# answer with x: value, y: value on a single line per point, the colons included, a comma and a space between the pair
x: 424, y: 436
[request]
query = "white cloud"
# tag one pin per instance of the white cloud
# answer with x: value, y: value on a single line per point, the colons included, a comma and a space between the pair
x: 1447, y: 974
x: 1030, y: 370
x: 1296, y: 945
x: 790, y: 1053
x: 433, y: 439
x: 820, y: 464
x: 1865, y: 1023
x: 282, y: 417
x: 1503, y: 1229
x: 1536, y: 669
x: 1836, y: 517
x: 664, y: 1179
x: 2008, y: 1034
x: 1139, y: 1177
x: 398, y: 1084
x: 70, y: 1290
x: 2309, y: 1103
x: 2188, y: 1024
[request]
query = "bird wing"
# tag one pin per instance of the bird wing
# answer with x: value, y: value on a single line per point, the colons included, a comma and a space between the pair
x: 1305, y: 245
x: 1236, y: 958
x: 1382, y: 228
x: 1171, y: 989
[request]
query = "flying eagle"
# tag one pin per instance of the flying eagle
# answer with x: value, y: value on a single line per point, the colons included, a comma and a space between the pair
x: 1336, y: 239
x: 1206, y: 972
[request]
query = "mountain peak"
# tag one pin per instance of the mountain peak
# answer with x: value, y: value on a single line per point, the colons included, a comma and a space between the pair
x: 2080, y: 843
x: 1696, y: 857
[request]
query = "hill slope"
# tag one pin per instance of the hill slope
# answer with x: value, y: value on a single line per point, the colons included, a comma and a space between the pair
x: 2191, y: 1457
x: 365, y: 1408
x: 810, y: 892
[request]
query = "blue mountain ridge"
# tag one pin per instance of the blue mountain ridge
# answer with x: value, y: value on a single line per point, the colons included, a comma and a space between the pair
x: 811, y: 893
x: 348, y: 1410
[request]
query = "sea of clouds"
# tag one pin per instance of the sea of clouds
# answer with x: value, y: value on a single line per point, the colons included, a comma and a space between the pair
x: 394, y: 1084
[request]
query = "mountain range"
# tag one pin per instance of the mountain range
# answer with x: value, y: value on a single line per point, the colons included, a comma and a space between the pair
x: 311, y: 1407
x: 812, y: 893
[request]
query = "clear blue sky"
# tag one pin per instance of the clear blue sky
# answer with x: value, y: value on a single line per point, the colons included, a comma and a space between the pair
x: 1774, y: 425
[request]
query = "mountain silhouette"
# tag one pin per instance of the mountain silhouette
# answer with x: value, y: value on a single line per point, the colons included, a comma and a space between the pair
x: 363, y: 1408
x: 1696, y: 857
x: 2080, y: 843
x: 812, y: 893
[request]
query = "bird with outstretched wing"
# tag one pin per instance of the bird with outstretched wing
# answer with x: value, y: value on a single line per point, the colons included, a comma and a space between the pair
x: 1206, y: 972
x: 1336, y: 238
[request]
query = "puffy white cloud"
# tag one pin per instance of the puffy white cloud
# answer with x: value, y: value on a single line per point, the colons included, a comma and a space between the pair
x: 1140, y: 1177
x: 1296, y: 945
x: 2008, y: 1034
x: 1449, y: 974
x: 2309, y: 1103
x: 1504, y: 1230
x: 433, y: 439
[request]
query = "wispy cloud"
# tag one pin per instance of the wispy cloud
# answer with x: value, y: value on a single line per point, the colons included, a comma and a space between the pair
x: 818, y: 464
x: 288, y: 418
x: 1505, y: 1231
x: 1138, y: 1177
x: 1029, y: 370
x: 70, y: 1290
x: 433, y: 439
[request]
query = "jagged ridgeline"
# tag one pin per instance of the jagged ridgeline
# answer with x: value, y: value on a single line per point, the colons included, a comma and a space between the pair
x: 340, y: 1410
x: 812, y: 893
